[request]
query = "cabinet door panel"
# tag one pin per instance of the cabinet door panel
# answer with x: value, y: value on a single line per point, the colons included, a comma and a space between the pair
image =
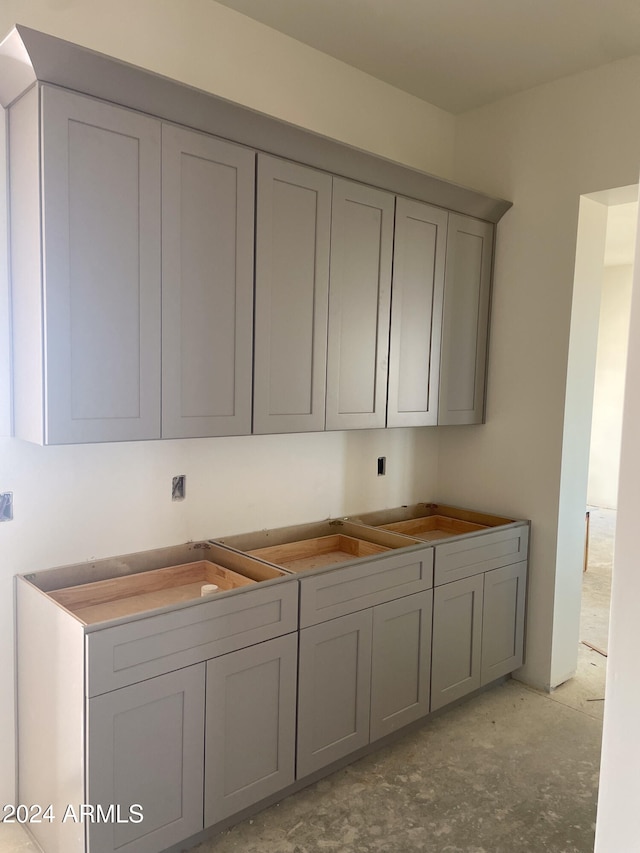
x: 457, y: 638
x: 334, y: 690
x: 207, y: 285
x: 503, y: 621
x: 401, y: 662
x: 359, y: 305
x: 465, y: 320
x: 146, y: 747
x: 292, y: 282
x: 101, y: 174
x: 416, y: 314
x: 250, y: 730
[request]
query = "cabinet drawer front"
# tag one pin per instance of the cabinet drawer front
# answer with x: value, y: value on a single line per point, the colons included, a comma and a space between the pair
x: 467, y: 557
x: 142, y: 649
x: 342, y: 591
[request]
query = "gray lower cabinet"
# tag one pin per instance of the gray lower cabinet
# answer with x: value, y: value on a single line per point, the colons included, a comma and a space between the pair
x: 207, y: 285
x: 250, y: 726
x: 420, y: 243
x: 293, y: 222
x: 334, y: 691
x: 145, y: 749
x: 465, y: 320
x: 362, y: 676
x: 478, y: 631
x: 457, y: 638
x: 400, y: 663
x: 503, y: 621
x: 359, y: 305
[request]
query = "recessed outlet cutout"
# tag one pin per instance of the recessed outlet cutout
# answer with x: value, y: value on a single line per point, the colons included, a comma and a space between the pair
x: 382, y: 466
x: 178, y: 486
x: 6, y: 506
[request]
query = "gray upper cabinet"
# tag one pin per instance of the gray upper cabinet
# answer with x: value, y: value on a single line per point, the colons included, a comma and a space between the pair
x: 87, y: 342
x: 207, y: 285
x: 465, y: 320
x: 416, y: 313
x: 359, y: 305
x: 293, y: 219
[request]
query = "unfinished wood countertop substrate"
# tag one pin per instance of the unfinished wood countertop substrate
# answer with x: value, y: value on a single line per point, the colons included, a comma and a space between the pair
x: 137, y: 593
x: 308, y: 554
x: 433, y: 527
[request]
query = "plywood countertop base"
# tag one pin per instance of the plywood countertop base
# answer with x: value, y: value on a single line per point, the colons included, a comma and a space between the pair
x: 125, y: 596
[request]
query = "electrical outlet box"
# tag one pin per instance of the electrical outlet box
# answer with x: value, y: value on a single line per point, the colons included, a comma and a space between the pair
x: 6, y: 506
x: 178, y: 486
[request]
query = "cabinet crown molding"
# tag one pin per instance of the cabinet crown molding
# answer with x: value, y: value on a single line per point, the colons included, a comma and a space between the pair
x: 27, y: 56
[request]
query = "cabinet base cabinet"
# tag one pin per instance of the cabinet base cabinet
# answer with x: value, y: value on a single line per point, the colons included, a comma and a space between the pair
x: 457, y: 637
x: 145, y: 749
x: 503, y: 621
x: 334, y: 690
x: 478, y: 631
x: 250, y: 726
x: 400, y: 663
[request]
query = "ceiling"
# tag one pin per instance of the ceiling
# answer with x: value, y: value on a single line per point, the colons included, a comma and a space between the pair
x: 459, y: 54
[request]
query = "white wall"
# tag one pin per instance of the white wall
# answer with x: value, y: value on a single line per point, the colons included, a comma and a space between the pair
x: 542, y: 149
x: 604, y: 455
x: 76, y: 503
x: 619, y: 793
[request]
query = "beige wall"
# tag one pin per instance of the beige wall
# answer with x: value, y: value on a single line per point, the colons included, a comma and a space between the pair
x: 75, y: 503
x: 542, y: 149
x: 604, y: 456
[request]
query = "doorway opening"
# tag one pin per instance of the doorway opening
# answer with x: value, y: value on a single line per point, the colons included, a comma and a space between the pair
x: 606, y: 423
x: 591, y: 439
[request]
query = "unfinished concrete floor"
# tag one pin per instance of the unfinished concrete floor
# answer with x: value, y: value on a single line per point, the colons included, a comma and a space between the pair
x: 512, y: 770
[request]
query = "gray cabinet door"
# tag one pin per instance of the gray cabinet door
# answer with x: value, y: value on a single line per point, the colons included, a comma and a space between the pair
x: 465, y: 323
x: 207, y: 285
x: 416, y: 313
x: 250, y: 726
x: 146, y: 747
x: 503, y: 621
x: 334, y: 690
x: 359, y: 305
x: 457, y: 638
x: 293, y: 217
x: 101, y: 222
x: 401, y: 662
